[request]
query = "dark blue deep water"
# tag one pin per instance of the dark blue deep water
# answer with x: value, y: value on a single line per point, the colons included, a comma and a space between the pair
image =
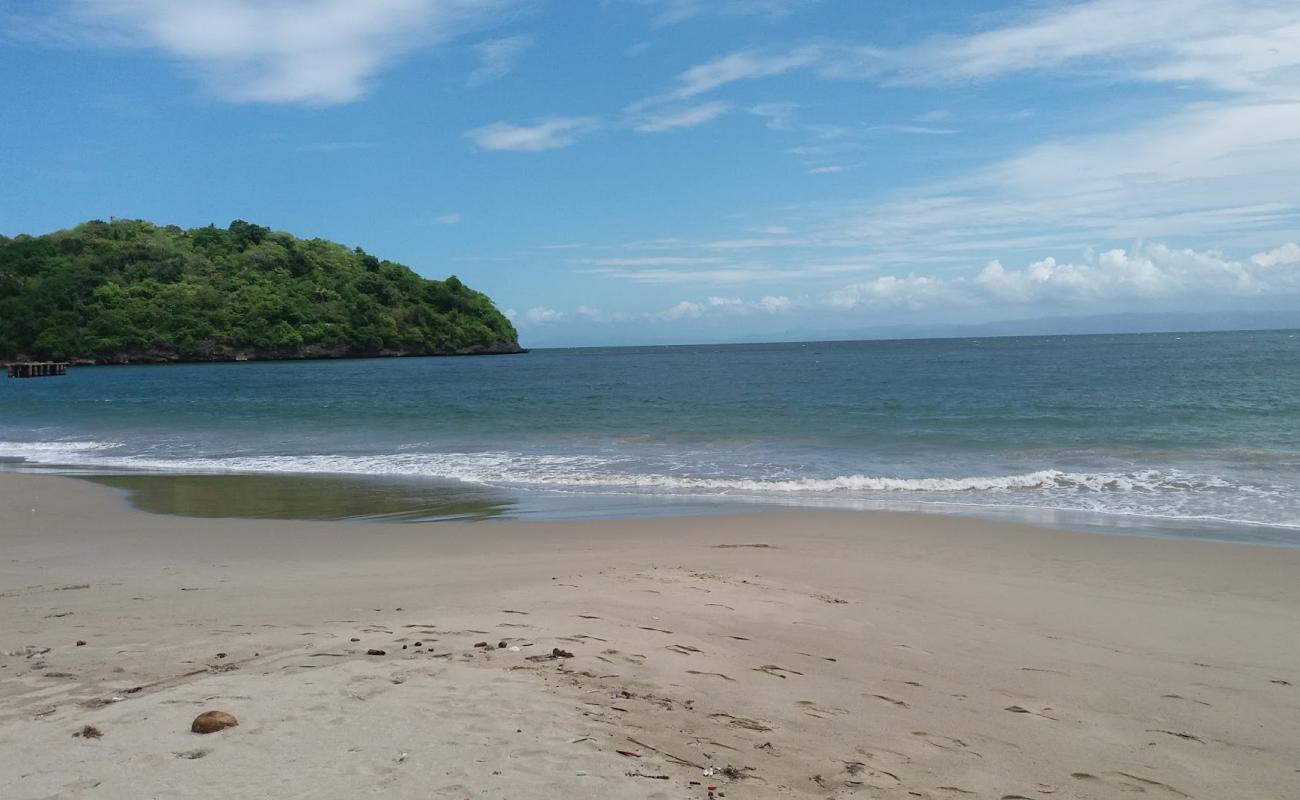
x: 1195, y: 432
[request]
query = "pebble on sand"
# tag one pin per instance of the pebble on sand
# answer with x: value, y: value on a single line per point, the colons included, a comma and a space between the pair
x: 213, y: 721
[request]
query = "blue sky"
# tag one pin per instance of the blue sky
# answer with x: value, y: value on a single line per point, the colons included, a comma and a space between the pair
x: 624, y: 171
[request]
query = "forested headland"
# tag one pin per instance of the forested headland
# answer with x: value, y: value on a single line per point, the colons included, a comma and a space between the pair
x: 129, y: 291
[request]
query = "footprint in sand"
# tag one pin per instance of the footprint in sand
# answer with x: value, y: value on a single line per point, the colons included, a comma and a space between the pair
x: 711, y: 674
x: 1128, y: 782
x: 945, y: 742
x: 854, y: 776
x: 810, y: 655
x: 1031, y: 712
x: 819, y: 712
x: 891, y: 700
x: 776, y: 671
x: 683, y: 649
x: 740, y: 722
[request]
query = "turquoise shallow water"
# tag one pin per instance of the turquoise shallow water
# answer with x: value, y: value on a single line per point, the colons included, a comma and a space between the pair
x: 1195, y: 433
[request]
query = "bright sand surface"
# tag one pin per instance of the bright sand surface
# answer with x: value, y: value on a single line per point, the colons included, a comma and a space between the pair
x: 818, y: 654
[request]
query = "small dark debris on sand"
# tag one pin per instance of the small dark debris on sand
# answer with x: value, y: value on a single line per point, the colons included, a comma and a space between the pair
x: 213, y: 721
x: 374, y: 651
x: 553, y: 655
x: 89, y: 732
x: 735, y: 773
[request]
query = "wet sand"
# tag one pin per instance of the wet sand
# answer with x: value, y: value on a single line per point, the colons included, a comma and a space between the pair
x: 801, y: 654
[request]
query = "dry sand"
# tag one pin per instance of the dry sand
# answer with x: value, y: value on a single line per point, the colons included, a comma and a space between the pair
x: 813, y: 654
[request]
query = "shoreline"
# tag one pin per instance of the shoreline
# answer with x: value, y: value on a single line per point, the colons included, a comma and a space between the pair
x: 418, y: 500
x: 818, y: 653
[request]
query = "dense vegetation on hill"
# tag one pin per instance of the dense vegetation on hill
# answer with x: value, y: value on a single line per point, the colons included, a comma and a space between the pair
x: 130, y: 291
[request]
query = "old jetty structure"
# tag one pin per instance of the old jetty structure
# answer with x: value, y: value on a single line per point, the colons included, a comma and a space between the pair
x: 38, y: 369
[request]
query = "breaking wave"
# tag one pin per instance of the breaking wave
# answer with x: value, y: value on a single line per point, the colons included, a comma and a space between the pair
x: 575, y: 471
x: 1167, y: 494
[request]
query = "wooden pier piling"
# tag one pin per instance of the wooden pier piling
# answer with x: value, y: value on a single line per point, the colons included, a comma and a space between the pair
x: 38, y: 369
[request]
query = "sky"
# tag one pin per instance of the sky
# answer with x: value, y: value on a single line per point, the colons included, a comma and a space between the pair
x: 658, y: 171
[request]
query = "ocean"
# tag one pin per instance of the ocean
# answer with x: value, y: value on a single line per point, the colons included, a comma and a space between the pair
x: 1194, y: 434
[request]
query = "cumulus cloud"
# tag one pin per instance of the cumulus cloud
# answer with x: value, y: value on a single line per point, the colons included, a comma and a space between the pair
x: 314, y: 52
x: 715, y: 305
x: 1147, y: 273
x: 1288, y: 253
x: 541, y: 315
x: 551, y: 133
x: 498, y: 58
x: 683, y: 310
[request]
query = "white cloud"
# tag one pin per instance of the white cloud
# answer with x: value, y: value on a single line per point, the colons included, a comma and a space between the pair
x: 453, y: 218
x: 923, y: 130
x: 650, y: 261
x: 1288, y: 253
x: 1225, y: 168
x: 1148, y: 273
x: 315, y: 52
x: 681, y: 118
x: 498, y: 58
x: 1250, y: 46
x: 730, y: 274
x: 784, y: 117
x: 826, y: 170
x: 1239, y: 46
x: 551, y: 133
x: 683, y: 310
x: 672, y: 12
x: 742, y: 65
x: 725, y: 306
x: 541, y: 315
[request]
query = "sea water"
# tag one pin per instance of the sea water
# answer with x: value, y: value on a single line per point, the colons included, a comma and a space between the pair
x: 1191, y: 434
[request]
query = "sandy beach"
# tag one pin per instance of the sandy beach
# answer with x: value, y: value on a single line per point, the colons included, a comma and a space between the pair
x: 799, y: 654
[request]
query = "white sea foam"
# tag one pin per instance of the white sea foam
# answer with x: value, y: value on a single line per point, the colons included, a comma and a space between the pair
x: 1156, y: 493
x: 598, y: 471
